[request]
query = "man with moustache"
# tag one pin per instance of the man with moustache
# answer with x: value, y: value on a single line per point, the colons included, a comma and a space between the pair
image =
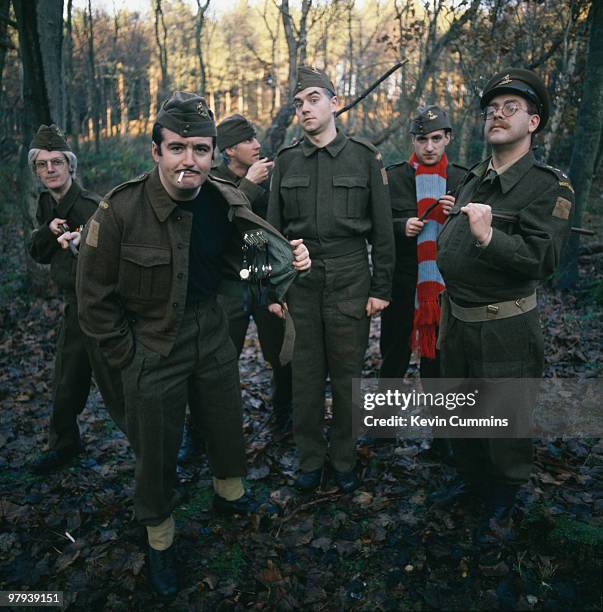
x: 492, y: 268
x: 150, y: 266
x: 62, y: 206
x: 331, y: 191
x: 415, y: 186
x: 242, y: 166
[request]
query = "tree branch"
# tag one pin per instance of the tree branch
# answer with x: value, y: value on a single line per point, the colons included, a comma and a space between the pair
x: 367, y: 91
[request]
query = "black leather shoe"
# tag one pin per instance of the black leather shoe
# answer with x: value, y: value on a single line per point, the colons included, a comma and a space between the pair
x: 52, y: 460
x: 308, y: 481
x: 347, y: 481
x: 246, y: 504
x: 162, y: 572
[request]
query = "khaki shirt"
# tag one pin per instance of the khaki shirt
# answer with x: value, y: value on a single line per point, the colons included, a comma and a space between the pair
x: 335, y: 198
x: 134, y: 260
x: 77, y: 206
x: 520, y: 254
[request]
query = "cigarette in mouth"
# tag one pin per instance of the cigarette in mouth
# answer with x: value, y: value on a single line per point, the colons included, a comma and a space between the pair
x: 180, y: 177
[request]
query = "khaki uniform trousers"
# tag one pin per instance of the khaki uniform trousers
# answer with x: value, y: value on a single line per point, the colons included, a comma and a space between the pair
x: 505, y: 348
x: 331, y: 336
x: 271, y: 331
x: 78, y: 359
x: 200, y: 371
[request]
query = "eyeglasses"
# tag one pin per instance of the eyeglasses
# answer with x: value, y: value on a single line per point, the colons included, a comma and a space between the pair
x: 508, y: 109
x: 57, y: 162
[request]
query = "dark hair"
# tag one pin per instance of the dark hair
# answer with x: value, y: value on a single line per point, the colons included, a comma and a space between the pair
x: 157, y: 137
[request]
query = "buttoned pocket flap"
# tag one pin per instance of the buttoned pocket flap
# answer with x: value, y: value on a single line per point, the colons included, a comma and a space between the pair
x: 145, y: 256
x: 295, y: 181
x: 350, y: 181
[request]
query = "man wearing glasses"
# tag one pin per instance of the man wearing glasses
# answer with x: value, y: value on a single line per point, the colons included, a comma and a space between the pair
x: 491, y: 268
x: 65, y: 206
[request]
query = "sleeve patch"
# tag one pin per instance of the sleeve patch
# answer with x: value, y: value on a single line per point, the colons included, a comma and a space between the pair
x: 384, y: 175
x: 562, y: 208
x: 92, y: 235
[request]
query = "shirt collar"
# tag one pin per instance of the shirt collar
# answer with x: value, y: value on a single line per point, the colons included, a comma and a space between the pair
x: 509, y: 174
x: 334, y: 147
x: 159, y: 198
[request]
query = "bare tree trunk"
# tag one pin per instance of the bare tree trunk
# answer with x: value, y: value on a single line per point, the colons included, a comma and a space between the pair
x: 566, y: 73
x: 428, y: 67
x: 296, y: 46
x: 202, y: 9
x: 40, y: 27
x: 93, y: 84
x: 4, y: 40
x: 73, y: 119
x: 161, y: 40
x: 587, y: 137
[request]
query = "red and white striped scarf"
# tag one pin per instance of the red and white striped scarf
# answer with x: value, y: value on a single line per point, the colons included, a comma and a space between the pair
x: 430, y: 182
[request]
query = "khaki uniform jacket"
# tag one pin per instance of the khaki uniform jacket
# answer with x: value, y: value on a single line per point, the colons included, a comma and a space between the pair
x: 403, y: 194
x: 519, y: 254
x: 256, y: 194
x: 335, y: 198
x: 134, y: 260
x: 77, y: 206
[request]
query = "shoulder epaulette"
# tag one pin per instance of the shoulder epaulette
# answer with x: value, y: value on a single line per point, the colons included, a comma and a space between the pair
x: 369, y: 145
x: 219, y: 179
x: 139, y: 179
x: 562, y: 178
x: 401, y: 163
x: 463, y: 168
x: 90, y: 195
x: 294, y: 143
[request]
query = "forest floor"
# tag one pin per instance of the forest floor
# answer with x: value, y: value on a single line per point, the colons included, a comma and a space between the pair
x: 384, y: 547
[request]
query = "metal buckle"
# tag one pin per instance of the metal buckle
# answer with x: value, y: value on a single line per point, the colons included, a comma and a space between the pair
x: 491, y: 309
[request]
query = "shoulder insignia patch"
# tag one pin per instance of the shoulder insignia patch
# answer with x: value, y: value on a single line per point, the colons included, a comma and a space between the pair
x: 93, y: 232
x: 562, y: 209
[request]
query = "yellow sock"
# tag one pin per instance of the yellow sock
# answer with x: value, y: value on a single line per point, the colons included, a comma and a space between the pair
x: 161, y: 536
x: 229, y: 488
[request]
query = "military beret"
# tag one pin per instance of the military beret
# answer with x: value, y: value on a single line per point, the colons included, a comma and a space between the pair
x: 234, y: 129
x: 520, y: 82
x: 187, y: 114
x: 308, y: 76
x: 429, y: 119
x: 51, y: 138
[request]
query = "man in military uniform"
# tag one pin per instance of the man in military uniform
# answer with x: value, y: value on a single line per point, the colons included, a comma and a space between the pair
x: 414, y: 187
x: 242, y: 166
x: 149, y: 270
x: 331, y: 191
x: 65, y: 205
x: 492, y: 268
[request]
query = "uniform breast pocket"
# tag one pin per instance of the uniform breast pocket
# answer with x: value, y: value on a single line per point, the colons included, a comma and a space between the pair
x: 294, y: 191
x: 350, y: 196
x: 145, y: 272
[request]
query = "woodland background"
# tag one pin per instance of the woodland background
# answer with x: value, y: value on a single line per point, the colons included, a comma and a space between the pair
x: 100, y: 70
